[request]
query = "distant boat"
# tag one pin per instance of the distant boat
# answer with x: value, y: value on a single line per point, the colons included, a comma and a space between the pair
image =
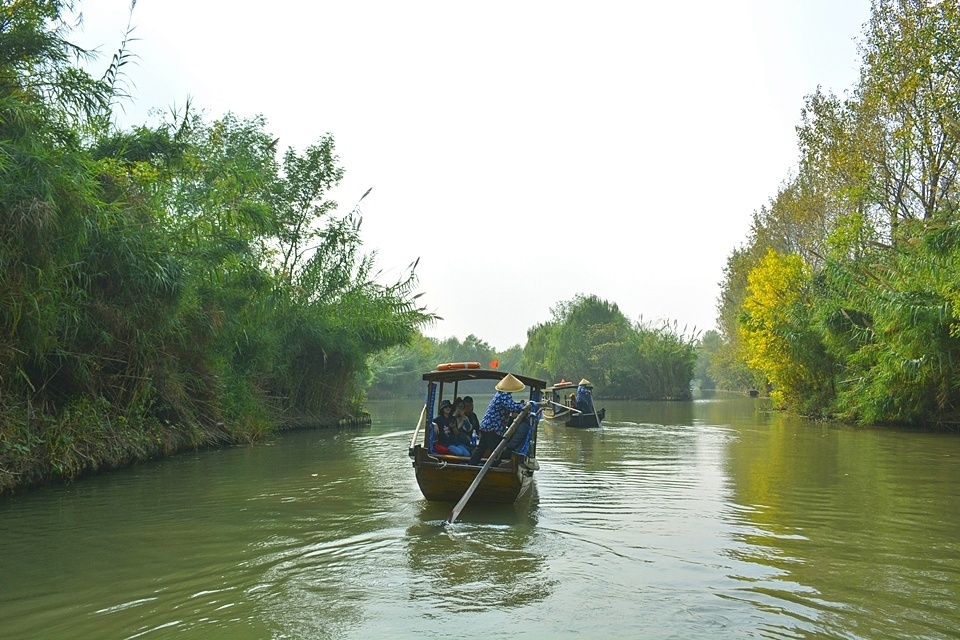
x: 560, y: 404
x: 446, y: 478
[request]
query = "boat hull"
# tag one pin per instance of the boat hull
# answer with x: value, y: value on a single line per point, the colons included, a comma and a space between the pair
x: 586, y: 420
x: 443, y: 479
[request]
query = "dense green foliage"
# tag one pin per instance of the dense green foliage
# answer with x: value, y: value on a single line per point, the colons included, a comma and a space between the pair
x: 170, y: 286
x: 591, y: 338
x: 846, y: 296
x: 587, y: 337
x: 396, y: 372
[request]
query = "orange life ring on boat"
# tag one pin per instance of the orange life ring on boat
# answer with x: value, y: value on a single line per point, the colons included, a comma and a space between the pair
x: 449, y: 366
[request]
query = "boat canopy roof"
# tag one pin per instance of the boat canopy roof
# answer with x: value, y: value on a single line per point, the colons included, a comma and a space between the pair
x: 456, y: 375
x: 560, y: 386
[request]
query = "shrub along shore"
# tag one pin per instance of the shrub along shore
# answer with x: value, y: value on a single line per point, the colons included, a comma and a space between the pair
x: 177, y: 285
x: 40, y: 449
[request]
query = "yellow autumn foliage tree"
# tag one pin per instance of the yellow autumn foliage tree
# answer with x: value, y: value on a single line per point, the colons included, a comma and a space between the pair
x: 771, y: 327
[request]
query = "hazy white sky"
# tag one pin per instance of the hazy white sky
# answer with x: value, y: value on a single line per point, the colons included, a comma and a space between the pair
x: 525, y: 151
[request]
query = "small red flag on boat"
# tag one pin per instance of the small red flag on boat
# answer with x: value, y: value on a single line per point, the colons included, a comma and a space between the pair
x: 494, y: 363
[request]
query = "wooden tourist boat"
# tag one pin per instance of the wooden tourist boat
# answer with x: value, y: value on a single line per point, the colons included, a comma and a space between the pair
x: 581, y: 419
x: 559, y: 404
x: 447, y: 478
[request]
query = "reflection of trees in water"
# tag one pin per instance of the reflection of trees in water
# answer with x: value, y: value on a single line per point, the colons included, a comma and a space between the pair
x: 727, y: 408
x: 581, y: 446
x: 837, y: 515
x: 633, y: 430
x: 617, y: 442
x: 660, y: 412
x: 330, y: 509
x: 482, y: 562
x: 707, y: 407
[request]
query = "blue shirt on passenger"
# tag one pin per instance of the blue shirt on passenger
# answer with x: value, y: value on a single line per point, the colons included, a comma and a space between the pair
x: 497, y: 416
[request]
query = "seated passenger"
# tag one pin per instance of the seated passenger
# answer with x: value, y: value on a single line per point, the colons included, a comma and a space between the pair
x: 474, y: 420
x: 461, y: 444
x: 443, y: 427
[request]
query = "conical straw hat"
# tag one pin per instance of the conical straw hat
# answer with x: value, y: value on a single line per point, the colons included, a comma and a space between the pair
x: 585, y: 382
x: 510, y: 384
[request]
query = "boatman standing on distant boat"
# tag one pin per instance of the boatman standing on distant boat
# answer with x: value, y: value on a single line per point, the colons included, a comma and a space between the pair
x: 496, y: 419
x: 584, y: 401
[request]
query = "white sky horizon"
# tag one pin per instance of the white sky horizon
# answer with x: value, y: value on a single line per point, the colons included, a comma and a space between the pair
x: 525, y: 151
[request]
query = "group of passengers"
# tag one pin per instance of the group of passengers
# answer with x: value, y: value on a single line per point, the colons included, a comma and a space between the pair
x: 457, y: 430
x: 456, y: 427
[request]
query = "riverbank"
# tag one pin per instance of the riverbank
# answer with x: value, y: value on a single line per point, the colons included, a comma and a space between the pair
x: 38, y: 449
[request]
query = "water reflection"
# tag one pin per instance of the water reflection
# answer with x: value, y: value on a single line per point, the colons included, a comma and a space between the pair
x: 709, y: 519
x: 488, y: 560
x: 838, y: 513
x: 650, y: 413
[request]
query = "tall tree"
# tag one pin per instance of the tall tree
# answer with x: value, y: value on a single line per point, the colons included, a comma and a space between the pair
x: 909, y: 92
x: 589, y: 340
x: 776, y: 335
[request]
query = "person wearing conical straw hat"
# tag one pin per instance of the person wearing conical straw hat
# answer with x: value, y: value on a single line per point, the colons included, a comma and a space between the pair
x: 496, y: 419
x: 583, y: 396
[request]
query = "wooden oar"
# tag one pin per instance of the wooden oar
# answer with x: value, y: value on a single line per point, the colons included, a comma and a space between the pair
x: 493, y: 456
x: 566, y: 407
x: 594, y: 407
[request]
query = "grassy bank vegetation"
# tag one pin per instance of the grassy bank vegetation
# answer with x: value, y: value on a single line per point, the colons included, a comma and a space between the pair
x: 175, y: 285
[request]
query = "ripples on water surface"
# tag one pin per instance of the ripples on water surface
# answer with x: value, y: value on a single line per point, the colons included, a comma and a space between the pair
x: 709, y: 519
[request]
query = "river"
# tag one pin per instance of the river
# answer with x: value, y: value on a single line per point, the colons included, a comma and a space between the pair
x: 706, y: 519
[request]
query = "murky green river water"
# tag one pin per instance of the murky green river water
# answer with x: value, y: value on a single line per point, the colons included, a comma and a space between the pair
x: 709, y: 519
